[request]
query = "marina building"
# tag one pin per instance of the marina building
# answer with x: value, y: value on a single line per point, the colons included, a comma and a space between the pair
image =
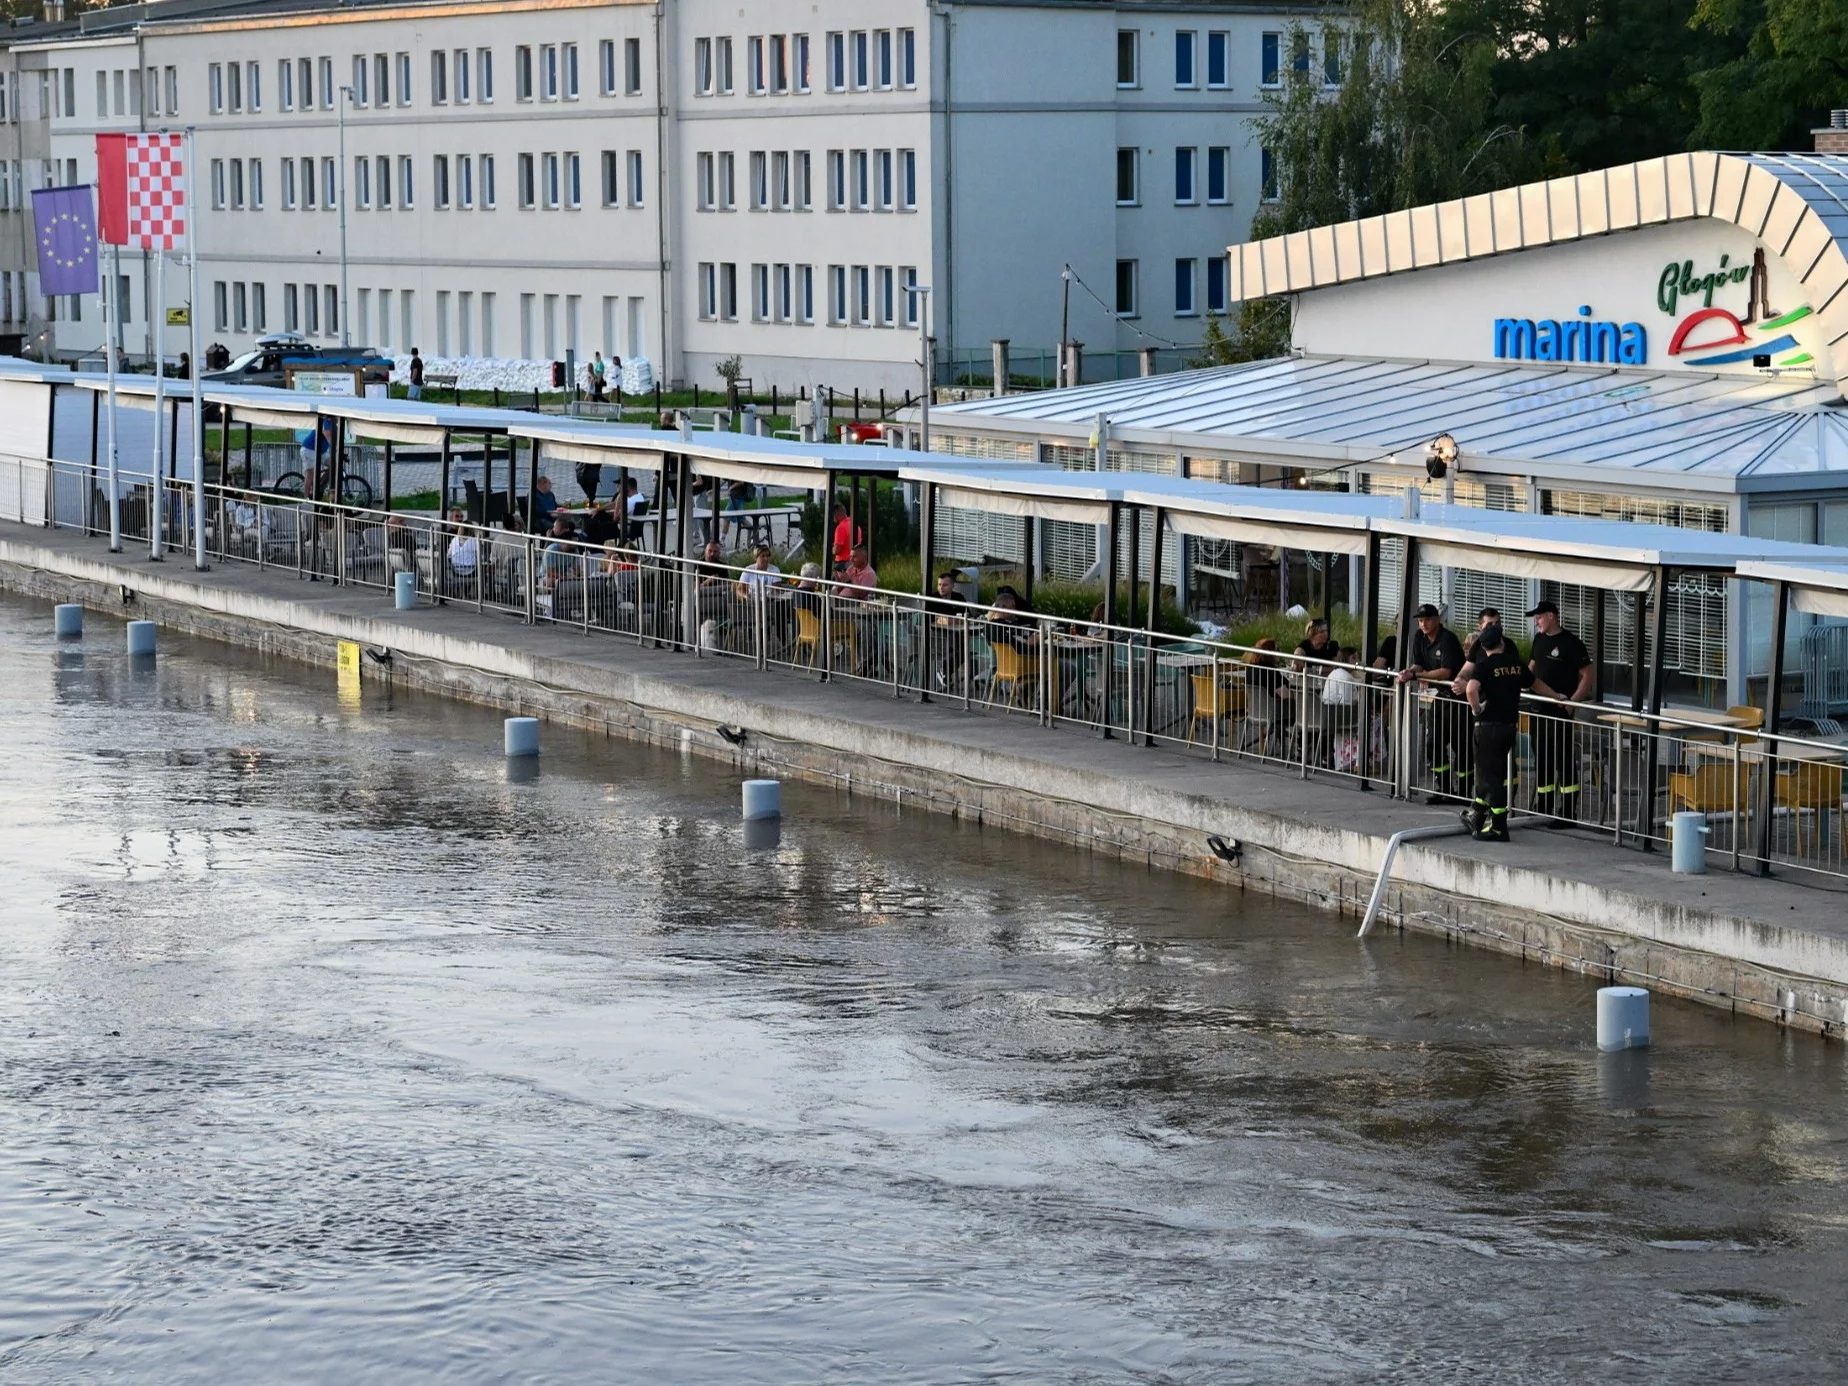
x: 685, y: 180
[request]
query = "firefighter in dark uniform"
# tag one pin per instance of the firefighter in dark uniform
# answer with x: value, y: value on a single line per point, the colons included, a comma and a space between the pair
x: 1497, y: 678
x: 1563, y: 675
x: 1435, y: 659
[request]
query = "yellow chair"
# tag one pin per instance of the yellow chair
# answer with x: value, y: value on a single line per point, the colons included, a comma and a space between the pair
x: 808, y: 637
x: 1708, y: 788
x: 1018, y: 669
x: 1214, y: 699
x: 1813, y: 785
x: 1751, y: 719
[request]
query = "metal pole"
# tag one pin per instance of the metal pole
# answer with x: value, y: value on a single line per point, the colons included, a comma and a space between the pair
x: 1065, y: 327
x: 1370, y: 602
x: 1599, y: 602
x: 346, y: 317
x: 89, y: 499
x: 1774, y: 711
x: 111, y: 306
x: 1148, y: 692
x: 197, y: 366
x: 1645, y: 818
x: 1110, y: 610
x: 157, y: 494
x: 925, y: 362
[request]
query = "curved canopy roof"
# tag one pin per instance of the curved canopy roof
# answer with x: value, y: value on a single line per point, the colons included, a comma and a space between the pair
x: 1797, y: 204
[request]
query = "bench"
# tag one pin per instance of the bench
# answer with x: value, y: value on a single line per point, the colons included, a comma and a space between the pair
x: 433, y: 381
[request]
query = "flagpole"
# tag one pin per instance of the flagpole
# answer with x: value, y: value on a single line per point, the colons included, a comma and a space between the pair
x: 198, y: 366
x: 160, y: 401
x: 110, y: 305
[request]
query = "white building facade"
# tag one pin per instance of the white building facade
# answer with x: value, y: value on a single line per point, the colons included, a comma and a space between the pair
x: 687, y: 181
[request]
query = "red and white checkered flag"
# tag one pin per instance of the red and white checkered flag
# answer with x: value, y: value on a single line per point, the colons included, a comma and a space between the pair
x: 141, y: 180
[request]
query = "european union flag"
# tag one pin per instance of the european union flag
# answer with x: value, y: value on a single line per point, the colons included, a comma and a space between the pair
x: 66, y: 221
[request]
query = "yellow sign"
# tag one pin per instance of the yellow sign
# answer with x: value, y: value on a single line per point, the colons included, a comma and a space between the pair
x: 348, y: 663
x: 179, y: 317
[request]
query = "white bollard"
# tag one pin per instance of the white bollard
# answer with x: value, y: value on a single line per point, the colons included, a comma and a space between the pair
x: 521, y: 735
x: 141, y: 637
x: 1623, y: 1018
x: 404, y: 591
x: 762, y: 799
x: 67, y: 619
x: 1688, y: 843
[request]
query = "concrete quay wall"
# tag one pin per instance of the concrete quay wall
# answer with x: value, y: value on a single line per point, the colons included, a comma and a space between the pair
x: 1773, y: 949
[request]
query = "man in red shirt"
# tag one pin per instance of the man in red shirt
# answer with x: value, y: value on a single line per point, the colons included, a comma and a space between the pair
x: 845, y: 536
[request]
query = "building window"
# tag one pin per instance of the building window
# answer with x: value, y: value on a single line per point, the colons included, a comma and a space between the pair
x: 326, y: 69
x: 1185, y: 162
x: 288, y: 184
x: 705, y: 181
x: 837, y: 180
x: 221, y: 306
x: 1216, y: 284
x: 484, y: 87
x: 331, y: 295
x: 214, y: 89
x: 383, y: 167
x: 760, y: 293
x: 611, y: 188
x: 237, y: 183
x: 1267, y: 175
x: 404, y: 84
x: 311, y: 309
x: 722, y: 54
x: 1332, y: 66
x: 173, y: 91
x: 907, y: 58
x: 708, y: 290
x: 1129, y: 64
x: 1126, y: 288
x: 606, y: 68
x: 309, y: 201
x: 291, y: 314
x: 885, y: 60
x: 1270, y: 60
x: 439, y: 78
x: 405, y: 199
x: 256, y: 185
x: 1185, y: 43
x: 548, y: 72
x: 1219, y: 59
x: 887, y: 192
x: 779, y: 64
x: 259, y: 309
x: 632, y: 67
x: 381, y: 82
x: 253, y: 90
x: 526, y: 182
x: 888, y: 296
x: 862, y: 181
x: 863, y: 295
x: 465, y: 181
x: 760, y: 181
x: 837, y: 62
x: 240, y: 307
x: 461, y: 70
x: 728, y: 292
x: 862, y: 62
x: 799, y: 63
x: 728, y: 183
x: 487, y: 203
x: 218, y: 182
x: 837, y: 294
x: 1127, y: 167
x: 638, y: 187
x: 779, y: 181
x: 783, y: 308
x: 361, y: 66
x: 805, y: 293
x: 702, y: 67
x: 522, y: 73
x: 549, y: 170
x: 330, y: 189
x: 909, y: 296
x: 1299, y: 54
x: 569, y: 57
x: 754, y: 65
x: 1219, y: 175
x: 1183, y: 288
x: 574, y: 181
x: 362, y: 181
x: 439, y: 181
x: 234, y: 88
x: 803, y: 179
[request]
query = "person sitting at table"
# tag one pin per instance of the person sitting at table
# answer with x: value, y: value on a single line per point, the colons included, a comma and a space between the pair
x: 632, y: 498
x: 714, y: 596
x: 616, y: 559
x: 1341, y: 692
x: 1268, y: 695
x: 760, y: 576
x: 544, y: 504
x: 599, y: 525
x: 464, y: 555
x: 860, y: 574
x: 560, y: 559
x: 1011, y: 620
x: 944, y: 636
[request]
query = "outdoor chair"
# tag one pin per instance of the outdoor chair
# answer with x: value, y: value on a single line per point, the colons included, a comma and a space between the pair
x: 1216, y: 698
x: 1018, y: 670
x: 1816, y: 788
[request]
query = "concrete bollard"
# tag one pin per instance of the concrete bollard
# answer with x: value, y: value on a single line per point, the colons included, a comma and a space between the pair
x: 762, y: 799
x: 1688, y: 837
x: 67, y: 620
x: 521, y: 735
x: 404, y: 591
x: 1623, y: 1018
x: 141, y: 637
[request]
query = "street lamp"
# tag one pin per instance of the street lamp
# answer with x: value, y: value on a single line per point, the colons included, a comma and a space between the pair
x: 922, y: 302
x: 346, y: 316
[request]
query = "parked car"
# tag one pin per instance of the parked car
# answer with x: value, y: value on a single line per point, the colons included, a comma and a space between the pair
x: 269, y: 362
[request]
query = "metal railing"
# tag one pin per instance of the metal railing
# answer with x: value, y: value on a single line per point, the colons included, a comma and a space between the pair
x: 1623, y: 773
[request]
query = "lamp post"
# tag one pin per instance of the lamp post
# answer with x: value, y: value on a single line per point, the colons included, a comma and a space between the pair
x: 923, y: 306
x: 346, y: 316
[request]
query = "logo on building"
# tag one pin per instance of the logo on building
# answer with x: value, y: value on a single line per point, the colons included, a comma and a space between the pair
x: 1711, y: 336
x: 1591, y: 343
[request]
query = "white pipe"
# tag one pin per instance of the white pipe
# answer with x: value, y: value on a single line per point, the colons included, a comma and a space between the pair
x: 198, y: 366
x: 1392, y: 851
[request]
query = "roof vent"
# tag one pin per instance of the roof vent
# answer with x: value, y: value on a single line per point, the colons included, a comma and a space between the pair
x: 1833, y: 137
x: 1838, y: 120
x: 54, y: 11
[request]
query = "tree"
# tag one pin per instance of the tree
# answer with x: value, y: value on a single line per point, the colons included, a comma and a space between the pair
x: 1790, y: 71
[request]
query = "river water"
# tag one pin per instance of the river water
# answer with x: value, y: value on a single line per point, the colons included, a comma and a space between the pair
x: 331, y: 1054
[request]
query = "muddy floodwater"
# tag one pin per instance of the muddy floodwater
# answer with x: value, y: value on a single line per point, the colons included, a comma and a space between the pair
x: 332, y: 1054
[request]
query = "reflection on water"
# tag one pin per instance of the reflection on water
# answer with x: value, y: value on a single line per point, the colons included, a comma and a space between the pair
x: 337, y: 1050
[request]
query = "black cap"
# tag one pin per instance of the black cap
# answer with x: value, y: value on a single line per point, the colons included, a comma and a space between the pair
x: 1490, y: 636
x: 1426, y: 610
x: 1549, y: 608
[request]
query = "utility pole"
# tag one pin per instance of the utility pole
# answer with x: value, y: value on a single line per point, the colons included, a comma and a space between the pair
x: 923, y: 306
x: 1065, y: 326
x: 346, y: 315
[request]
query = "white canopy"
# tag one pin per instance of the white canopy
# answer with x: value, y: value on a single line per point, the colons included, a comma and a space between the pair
x: 1819, y: 588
